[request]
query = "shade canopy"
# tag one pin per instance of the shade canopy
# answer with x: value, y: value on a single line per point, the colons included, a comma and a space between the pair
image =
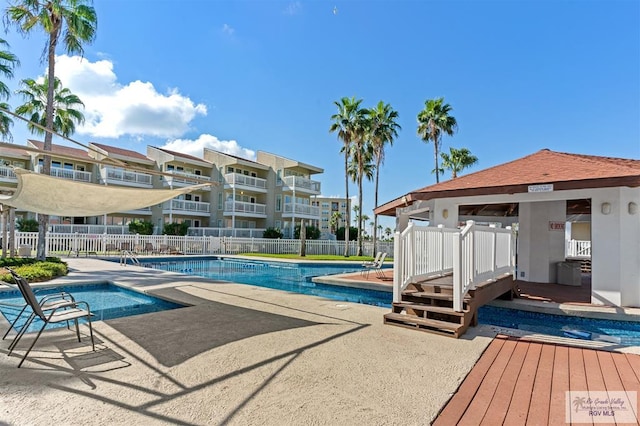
x: 63, y: 197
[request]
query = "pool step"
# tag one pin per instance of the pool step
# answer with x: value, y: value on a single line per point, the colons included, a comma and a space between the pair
x: 425, y: 324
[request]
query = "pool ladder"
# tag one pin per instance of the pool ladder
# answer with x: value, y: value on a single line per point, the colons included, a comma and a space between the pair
x: 126, y: 254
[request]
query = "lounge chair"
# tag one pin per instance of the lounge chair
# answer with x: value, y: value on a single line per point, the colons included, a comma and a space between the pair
x: 64, y: 312
x: 110, y: 248
x: 46, y: 302
x: 377, y: 266
x: 371, y: 263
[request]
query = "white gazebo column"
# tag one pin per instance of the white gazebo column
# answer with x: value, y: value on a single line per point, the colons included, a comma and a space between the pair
x: 541, y: 242
x: 615, y: 247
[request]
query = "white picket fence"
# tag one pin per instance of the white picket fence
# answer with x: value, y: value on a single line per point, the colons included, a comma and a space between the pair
x: 64, y: 244
x: 472, y: 255
x: 578, y: 249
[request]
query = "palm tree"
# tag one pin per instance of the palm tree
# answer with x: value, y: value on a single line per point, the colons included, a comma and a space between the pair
x: 361, y: 167
x: 76, y: 22
x: 433, y: 120
x: 65, y: 104
x: 383, y: 130
x: 334, y: 221
x: 8, y: 61
x: 388, y: 232
x: 346, y: 122
x: 356, y: 209
x: 458, y: 160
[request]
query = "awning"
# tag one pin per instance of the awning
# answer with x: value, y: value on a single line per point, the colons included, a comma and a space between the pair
x: 63, y: 197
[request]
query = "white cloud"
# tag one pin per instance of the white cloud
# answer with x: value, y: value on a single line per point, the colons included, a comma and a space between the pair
x: 228, y: 29
x: 195, y: 147
x: 293, y: 8
x: 113, y: 109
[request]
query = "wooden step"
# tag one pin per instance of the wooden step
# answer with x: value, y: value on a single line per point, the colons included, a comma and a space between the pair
x: 439, y: 296
x: 430, y: 308
x: 424, y: 324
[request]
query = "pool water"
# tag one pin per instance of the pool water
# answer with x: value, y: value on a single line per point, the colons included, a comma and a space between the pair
x: 106, y: 302
x: 625, y: 333
x: 292, y: 277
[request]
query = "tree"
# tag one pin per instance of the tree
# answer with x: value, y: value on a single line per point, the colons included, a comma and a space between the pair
x: 141, y: 227
x: 433, y: 120
x: 8, y: 61
x: 65, y: 107
x: 334, y: 221
x: 353, y: 232
x: 273, y: 233
x: 346, y: 123
x: 457, y: 160
x: 356, y: 213
x: 175, y: 228
x: 388, y: 232
x: 383, y: 130
x: 76, y: 22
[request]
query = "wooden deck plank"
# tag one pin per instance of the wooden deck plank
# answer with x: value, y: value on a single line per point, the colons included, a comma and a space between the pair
x: 541, y: 396
x: 499, y: 405
x: 455, y: 409
x: 611, y: 377
x: 630, y: 381
x: 480, y: 403
x: 521, y: 399
x: 577, y: 374
x: 559, y: 385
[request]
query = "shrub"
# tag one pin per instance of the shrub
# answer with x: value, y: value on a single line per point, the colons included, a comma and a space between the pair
x: 175, y: 228
x: 142, y: 227
x: 27, y: 225
x: 313, y: 233
x: 353, y: 233
x: 272, y: 233
x: 33, y: 270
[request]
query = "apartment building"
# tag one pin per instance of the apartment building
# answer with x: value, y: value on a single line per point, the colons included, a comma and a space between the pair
x: 245, y: 198
x: 328, y: 207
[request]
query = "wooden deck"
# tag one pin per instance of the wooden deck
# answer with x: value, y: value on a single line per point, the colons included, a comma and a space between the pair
x: 518, y: 382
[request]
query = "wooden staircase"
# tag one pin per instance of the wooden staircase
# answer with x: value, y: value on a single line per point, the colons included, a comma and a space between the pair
x: 428, y: 306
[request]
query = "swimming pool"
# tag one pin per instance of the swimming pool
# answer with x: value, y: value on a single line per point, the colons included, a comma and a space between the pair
x: 625, y: 333
x: 292, y: 277
x: 106, y: 301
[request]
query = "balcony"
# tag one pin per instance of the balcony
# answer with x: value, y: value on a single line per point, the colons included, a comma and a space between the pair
x: 181, y: 179
x: 300, y: 184
x: 298, y: 210
x: 117, y: 176
x: 67, y: 174
x: 195, y: 208
x: 7, y: 174
x: 241, y: 208
x: 227, y: 232
x: 243, y: 182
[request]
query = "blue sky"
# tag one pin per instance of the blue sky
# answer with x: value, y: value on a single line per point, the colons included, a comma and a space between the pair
x: 243, y: 76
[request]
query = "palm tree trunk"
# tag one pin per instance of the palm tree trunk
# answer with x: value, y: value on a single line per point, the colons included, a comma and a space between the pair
x: 43, y: 220
x: 375, y: 204
x: 360, y: 215
x: 435, y: 155
x: 346, y: 191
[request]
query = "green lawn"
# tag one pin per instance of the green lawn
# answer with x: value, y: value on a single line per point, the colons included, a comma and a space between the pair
x: 312, y: 257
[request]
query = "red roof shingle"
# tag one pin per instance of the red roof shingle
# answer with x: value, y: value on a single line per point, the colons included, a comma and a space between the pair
x: 121, y: 151
x: 61, y: 149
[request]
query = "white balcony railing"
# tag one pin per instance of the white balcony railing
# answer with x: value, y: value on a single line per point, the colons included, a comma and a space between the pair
x: 119, y: 176
x: 67, y: 174
x: 578, y: 249
x: 7, y: 174
x: 183, y: 179
x: 297, y: 209
x: 298, y: 183
x: 241, y: 207
x: 186, y: 206
x: 227, y: 232
x: 236, y: 179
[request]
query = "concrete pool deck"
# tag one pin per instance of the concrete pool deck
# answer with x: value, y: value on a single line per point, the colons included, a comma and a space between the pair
x: 240, y: 354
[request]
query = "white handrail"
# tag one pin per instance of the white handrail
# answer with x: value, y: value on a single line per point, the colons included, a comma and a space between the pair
x: 126, y: 254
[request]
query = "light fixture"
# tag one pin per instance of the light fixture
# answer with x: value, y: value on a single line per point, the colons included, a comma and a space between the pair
x: 445, y: 213
x: 605, y: 208
x: 633, y: 208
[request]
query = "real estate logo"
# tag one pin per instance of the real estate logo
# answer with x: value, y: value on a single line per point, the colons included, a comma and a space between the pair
x: 601, y: 407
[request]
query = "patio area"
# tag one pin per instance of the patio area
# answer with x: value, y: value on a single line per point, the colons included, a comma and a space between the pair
x: 240, y: 354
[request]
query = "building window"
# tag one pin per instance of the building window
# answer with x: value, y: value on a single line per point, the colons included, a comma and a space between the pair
x: 278, y: 203
x: 220, y: 198
x: 278, y: 224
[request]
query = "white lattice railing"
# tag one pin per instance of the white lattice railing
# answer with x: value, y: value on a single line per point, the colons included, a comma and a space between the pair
x: 578, y: 249
x: 473, y: 255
